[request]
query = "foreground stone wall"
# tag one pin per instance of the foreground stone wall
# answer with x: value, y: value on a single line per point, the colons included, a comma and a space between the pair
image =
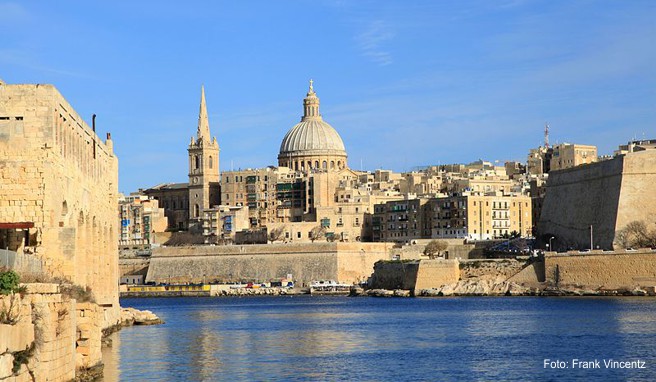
x: 60, y: 178
x: 57, y: 338
x: 621, y: 269
x: 306, y: 262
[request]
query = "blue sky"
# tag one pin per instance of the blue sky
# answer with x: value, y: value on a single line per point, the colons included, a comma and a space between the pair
x: 405, y: 83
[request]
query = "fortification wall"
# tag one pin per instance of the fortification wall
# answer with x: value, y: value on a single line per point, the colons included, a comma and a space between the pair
x: 344, y: 262
x: 56, y: 174
x: 395, y: 275
x: 620, y: 269
x: 606, y: 195
x: 435, y: 273
x: 579, y: 197
x: 57, y: 338
x: 415, y: 275
x: 638, y: 195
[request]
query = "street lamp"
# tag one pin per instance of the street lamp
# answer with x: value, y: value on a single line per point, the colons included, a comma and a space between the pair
x: 551, y: 238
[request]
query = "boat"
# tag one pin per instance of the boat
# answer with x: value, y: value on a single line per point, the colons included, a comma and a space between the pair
x: 328, y: 287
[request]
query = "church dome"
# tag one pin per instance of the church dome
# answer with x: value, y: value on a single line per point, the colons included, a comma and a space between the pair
x: 312, y: 141
x: 312, y: 136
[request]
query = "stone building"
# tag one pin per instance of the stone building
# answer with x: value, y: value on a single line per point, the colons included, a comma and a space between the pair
x: 567, y: 155
x: 59, y: 191
x: 473, y: 216
x: 140, y: 217
x: 183, y: 203
x: 221, y: 223
x: 203, y: 168
x: 312, y: 144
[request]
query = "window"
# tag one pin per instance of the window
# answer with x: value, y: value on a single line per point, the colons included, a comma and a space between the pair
x: 211, y: 161
x: 298, y: 234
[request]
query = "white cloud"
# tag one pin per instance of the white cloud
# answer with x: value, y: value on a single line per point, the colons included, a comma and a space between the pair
x: 372, y: 42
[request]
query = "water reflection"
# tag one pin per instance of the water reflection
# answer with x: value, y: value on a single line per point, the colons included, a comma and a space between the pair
x: 111, y: 357
x: 379, y: 339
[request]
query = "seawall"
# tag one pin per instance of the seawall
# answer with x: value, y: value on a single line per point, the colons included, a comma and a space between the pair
x: 599, y: 270
x: 305, y: 262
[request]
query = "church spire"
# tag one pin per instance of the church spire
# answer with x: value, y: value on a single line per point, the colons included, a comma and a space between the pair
x: 311, y: 104
x: 203, y: 122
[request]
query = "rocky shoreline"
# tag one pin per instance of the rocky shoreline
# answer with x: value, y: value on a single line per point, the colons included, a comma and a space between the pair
x: 489, y: 288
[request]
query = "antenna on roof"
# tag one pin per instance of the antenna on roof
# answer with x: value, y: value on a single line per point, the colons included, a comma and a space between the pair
x: 546, y: 135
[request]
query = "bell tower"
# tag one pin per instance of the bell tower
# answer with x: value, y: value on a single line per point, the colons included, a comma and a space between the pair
x: 203, y: 168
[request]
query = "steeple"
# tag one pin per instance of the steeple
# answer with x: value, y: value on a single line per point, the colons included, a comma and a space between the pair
x: 203, y: 122
x: 311, y: 105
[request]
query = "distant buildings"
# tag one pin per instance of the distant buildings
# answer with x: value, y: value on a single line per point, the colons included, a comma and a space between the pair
x: 314, y: 195
x: 141, y: 217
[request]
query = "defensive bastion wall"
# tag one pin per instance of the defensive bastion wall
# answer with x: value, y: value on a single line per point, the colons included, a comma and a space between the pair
x: 617, y: 270
x: 306, y: 262
x: 415, y: 275
x: 59, y: 183
x: 607, y: 195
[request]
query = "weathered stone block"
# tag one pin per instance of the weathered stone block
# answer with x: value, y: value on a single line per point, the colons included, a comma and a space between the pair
x: 42, y: 288
x: 6, y: 364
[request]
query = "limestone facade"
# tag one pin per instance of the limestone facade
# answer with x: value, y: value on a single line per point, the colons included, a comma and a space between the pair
x: 468, y: 216
x: 59, y: 190
x: 567, y: 155
x: 140, y: 218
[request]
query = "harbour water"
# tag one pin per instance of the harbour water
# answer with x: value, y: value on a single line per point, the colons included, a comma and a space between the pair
x: 310, y: 338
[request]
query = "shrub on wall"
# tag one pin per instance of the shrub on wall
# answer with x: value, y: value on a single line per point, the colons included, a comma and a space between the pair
x: 9, y: 282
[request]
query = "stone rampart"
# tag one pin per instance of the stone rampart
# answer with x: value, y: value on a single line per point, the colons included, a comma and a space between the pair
x: 599, y: 270
x: 306, y: 262
x: 432, y: 273
x: 605, y: 195
x: 59, y: 191
x: 415, y: 275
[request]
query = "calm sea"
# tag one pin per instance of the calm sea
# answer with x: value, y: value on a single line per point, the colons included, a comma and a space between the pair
x: 305, y: 338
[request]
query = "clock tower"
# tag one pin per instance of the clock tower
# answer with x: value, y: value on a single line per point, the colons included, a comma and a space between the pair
x: 203, y: 168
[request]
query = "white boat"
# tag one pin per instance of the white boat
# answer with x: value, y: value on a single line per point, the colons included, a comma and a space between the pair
x: 328, y: 286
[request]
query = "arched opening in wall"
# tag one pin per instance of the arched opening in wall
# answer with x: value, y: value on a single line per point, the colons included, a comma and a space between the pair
x: 80, y: 219
x: 211, y: 161
x: 196, y: 210
x: 64, y: 211
x: 332, y: 164
x: 339, y: 164
x: 196, y: 162
x: 309, y: 165
x: 324, y: 165
x: 316, y: 164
